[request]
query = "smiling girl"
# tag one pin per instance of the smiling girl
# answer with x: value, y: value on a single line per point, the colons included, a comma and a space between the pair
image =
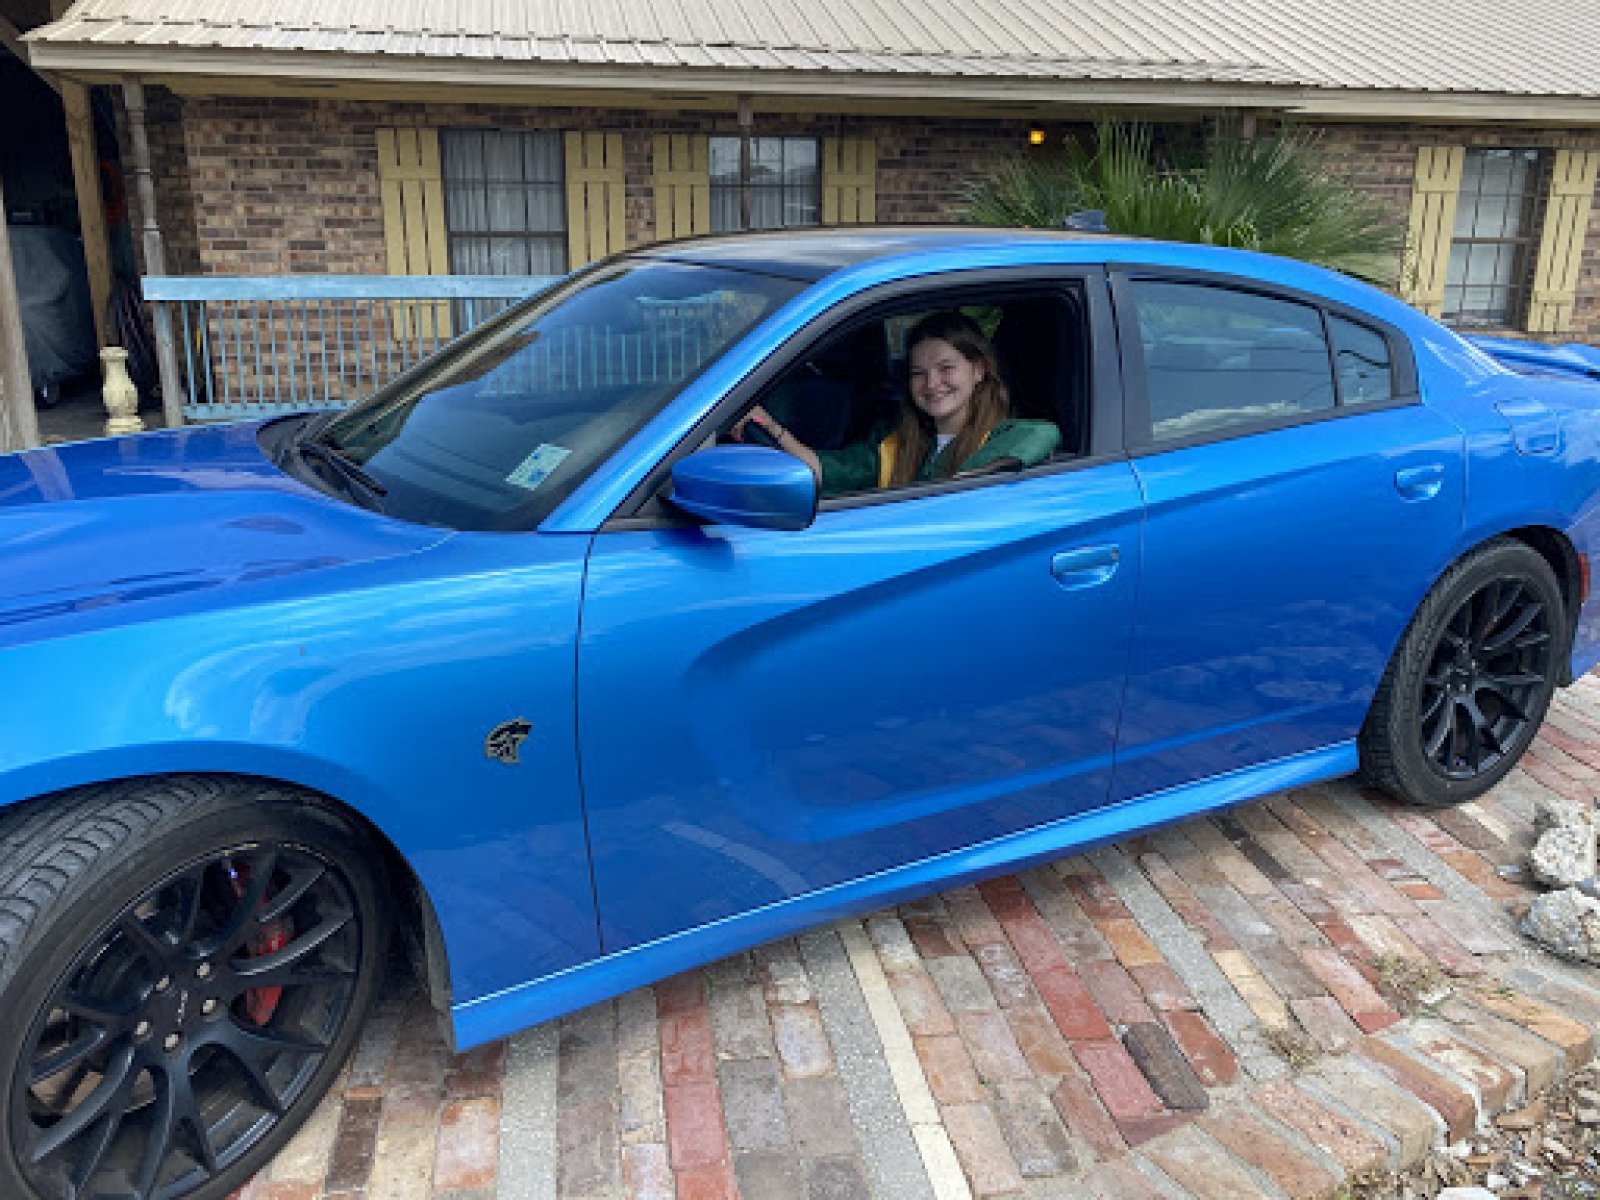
x: 956, y: 421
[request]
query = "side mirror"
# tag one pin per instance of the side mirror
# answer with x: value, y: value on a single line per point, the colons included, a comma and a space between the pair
x: 746, y: 485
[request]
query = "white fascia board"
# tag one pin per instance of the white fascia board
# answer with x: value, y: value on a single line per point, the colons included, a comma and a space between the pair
x: 1478, y: 108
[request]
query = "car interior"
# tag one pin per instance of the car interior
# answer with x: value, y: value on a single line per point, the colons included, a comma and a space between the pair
x: 1200, y: 384
x: 854, y: 379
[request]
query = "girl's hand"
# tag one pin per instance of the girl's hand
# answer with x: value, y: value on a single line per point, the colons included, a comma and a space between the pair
x: 762, y: 418
x: 782, y: 439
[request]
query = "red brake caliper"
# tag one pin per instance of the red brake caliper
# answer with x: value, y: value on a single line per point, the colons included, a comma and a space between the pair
x: 260, y: 1003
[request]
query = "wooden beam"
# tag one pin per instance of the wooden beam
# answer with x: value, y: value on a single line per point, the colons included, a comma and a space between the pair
x: 19, y: 424
x: 155, y: 257
x: 11, y: 39
x: 91, y: 204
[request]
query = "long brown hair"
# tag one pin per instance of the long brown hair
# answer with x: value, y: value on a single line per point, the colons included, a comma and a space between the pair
x: 914, y: 436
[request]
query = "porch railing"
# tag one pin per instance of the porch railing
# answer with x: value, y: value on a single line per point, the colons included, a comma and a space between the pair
x: 255, y: 346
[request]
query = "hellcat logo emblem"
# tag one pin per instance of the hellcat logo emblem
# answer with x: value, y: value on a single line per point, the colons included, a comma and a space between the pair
x: 505, y: 739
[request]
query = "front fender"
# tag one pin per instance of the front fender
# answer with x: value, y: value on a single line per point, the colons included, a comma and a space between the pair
x: 379, y: 695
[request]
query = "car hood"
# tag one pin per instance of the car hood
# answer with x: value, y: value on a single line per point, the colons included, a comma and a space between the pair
x: 96, y: 533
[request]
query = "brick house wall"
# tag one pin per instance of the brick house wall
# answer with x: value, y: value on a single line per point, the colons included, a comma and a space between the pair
x: 1381, y: 160
x: 290, y: 186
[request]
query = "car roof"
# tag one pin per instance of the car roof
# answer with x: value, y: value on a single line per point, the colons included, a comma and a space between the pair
x: 874, y: 252
x: 811, y: 254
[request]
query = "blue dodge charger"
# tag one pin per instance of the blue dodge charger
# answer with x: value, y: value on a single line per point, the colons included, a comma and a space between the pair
x: 539, y: 659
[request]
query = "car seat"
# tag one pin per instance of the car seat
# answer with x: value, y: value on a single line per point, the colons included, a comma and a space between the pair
x: 1041, y: 364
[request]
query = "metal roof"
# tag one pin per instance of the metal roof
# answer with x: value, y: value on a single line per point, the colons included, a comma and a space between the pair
x: 1484, y: 47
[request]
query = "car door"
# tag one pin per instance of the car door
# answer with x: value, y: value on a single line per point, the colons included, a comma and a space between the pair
x: 766, y: 714
x: 1296, y: 516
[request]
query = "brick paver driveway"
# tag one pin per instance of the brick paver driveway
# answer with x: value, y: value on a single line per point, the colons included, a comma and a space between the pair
x: 1185, y: 1012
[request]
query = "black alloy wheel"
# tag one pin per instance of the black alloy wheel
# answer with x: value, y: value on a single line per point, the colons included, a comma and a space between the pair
x: 1491, y: 662
x: 1468, y: 686
x: 172, y: 1047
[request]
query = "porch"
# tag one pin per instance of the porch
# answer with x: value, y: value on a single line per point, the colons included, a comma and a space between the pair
x: 232, y: 348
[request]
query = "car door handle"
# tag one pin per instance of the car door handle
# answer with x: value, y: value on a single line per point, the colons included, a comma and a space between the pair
x: 1419, y: 483
x: 1540, y: 441
x: 1085, y: 568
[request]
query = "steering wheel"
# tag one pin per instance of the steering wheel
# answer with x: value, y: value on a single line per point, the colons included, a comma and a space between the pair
x: 758, y: 434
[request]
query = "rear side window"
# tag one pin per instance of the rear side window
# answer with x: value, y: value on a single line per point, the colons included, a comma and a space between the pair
x: 1217, y: 359
x: 1366, y: 373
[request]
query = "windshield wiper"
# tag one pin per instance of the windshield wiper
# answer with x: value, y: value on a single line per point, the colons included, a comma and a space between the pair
x: 343, y: 465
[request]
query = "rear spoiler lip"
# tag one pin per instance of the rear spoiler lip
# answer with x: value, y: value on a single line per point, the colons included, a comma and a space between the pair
x: 1574, y: 358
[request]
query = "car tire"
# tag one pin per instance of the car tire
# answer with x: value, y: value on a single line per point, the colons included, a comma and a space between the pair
x: 184, y: 965
x: 1469, y: 684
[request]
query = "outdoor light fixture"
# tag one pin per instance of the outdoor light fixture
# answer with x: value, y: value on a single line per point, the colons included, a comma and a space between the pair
x: 1035, y: 137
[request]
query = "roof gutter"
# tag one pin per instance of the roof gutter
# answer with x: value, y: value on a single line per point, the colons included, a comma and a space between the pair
x: 100, y: 63
x: 1489, y: 108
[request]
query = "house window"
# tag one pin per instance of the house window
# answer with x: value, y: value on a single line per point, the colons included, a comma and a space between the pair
x: 1491, y: 249
x: 504, y: 202
x: 785, y: 183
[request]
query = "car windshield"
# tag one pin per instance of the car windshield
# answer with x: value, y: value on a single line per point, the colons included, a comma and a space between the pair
x: 496, y: 430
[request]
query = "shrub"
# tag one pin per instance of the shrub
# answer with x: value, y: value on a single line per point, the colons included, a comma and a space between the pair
x: 1269, y: 193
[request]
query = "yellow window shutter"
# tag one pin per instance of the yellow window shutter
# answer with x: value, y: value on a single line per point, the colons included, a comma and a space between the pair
x: 849, y: 181
x: 595, y: 189
x: 412, y: 186
x: 682, y: 183
x: 1433, y: 221
x: 1566, y: 222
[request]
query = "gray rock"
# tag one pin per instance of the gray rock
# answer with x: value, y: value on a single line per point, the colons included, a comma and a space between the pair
x: 1566, y: 923
x: 1564, y: 856
x: 1552, y: 812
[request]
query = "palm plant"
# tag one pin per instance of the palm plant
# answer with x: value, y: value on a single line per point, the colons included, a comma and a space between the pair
x: 1267, y: 193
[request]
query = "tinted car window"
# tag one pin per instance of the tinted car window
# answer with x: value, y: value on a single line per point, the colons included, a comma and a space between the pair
x: 1216, y: 358
x: 495, y: 431
x: 1366, y: 375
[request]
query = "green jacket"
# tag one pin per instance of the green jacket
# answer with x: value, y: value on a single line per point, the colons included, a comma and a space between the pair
x: 864, y: 465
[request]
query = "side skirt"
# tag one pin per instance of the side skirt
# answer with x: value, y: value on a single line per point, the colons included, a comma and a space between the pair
x: 502, y: 1013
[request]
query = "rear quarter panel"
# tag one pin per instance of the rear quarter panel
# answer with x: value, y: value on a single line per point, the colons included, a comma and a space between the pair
x: 1552, y: 483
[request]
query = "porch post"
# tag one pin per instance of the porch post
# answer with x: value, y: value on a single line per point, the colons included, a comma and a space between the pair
x: 19, y: 425
x: 155, y: 259
x: 91, y: 205
x: 746, y: 121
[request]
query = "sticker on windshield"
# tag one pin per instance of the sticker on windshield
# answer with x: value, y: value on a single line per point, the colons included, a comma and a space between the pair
x: 536, y: 468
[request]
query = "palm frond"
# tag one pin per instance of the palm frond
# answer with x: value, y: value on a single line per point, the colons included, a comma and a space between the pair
x: 1270, y: 194
x: 1027, y: 194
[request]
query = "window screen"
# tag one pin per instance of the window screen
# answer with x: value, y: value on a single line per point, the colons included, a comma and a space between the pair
x: 1216, y: 358
x: 785, y: 183
x: 504, y: 202
x: 1491, y: 248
